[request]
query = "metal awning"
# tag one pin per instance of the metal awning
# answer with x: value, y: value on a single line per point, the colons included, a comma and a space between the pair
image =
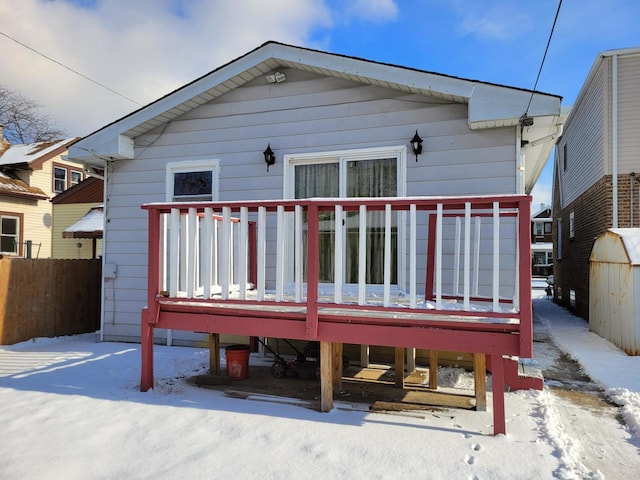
x: 89, y: 226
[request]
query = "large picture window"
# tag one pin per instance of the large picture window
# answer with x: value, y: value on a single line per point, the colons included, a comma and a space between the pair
x: 361, y: 173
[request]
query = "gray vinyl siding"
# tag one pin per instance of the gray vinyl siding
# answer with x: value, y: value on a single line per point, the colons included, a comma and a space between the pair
x: 629, y: 114
x: 584, y: 137
x: 307, y: 113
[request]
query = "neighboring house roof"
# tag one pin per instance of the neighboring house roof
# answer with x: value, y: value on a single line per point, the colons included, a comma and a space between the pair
x: 489, y: 105
x: 33, y: 155
x: 544, y: 212
x: 16, y: 187
x: 617, y: 245
x: 89, y: 226
x: 89, y: 190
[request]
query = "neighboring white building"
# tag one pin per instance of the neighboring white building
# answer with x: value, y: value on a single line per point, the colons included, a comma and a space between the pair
x: 327, y: 118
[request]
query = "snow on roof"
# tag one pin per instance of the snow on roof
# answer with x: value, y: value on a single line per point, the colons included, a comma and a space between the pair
x: 89, y: 226
x: 14, y: 186
x: 605, y: 250
x: 28, y: 152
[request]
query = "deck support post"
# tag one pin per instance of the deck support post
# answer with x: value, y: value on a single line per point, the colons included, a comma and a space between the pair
x: 399, y: 376
x: 433, y: 369
x: 364, y: 356
x: 480, y: 381
x: 146, y: 349
x: 214, y: 353
x: 411, y: 360
x: 497, y: 387
x: 336, y: 365
x: 326, y: 374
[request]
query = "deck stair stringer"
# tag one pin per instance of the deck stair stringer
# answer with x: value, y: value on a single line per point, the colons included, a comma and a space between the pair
x: 521, y: 373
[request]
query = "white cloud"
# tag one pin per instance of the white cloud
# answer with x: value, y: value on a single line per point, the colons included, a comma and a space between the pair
x: 141, y: 49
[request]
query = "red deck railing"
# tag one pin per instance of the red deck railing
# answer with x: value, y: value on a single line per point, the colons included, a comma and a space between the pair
x: 446, y: 273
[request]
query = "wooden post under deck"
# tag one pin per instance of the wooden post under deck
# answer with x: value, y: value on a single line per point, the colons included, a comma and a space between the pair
x: 146, y: 348
x: 326, y: 380
x: 497, y: 388
x: 433, y: 369
x: 480, y: 381
x: 214, y: 353
x: 399, y: 367
x: 336, y: 365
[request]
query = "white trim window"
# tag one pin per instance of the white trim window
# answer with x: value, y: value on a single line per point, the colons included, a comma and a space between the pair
x: 193, y: 181
x: 59, y: 179
x: 572, y: 226
x: 9, y: 234
x: 559, y: 240
x: 372, y: 172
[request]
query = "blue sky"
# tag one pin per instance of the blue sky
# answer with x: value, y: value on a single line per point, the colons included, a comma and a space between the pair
x: 146, y: 48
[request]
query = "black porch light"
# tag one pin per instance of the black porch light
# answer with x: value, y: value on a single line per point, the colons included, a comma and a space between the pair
x: 269, y: 156
x: 416, y: 145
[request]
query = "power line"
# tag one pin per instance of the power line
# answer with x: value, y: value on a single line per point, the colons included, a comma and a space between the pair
x: 544, y: 56
x: 70, y: 69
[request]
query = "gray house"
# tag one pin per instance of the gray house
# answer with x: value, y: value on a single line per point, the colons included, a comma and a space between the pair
x: 329, y: 126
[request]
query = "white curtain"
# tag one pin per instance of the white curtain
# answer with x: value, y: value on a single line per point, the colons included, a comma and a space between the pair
x: 364, y: 178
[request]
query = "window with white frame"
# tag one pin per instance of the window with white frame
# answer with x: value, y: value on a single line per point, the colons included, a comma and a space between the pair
x: 376, y: 172
x: 65, y: 177
x: 192, y: 181
x: 571, y: 224
x: 559, y: 240
x: 76, y: 177
x: 59, y: 179
x: 9, y: 234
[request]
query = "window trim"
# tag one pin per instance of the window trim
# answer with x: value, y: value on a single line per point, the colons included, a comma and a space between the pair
x: 559, y: 241
x: 572, y: 224
x: 20, y: 218
x: 341, y: 157
x: 68, y: 169
x: 185, y: 166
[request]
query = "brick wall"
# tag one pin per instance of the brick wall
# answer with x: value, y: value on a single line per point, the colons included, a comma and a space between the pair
x: 593, y: 215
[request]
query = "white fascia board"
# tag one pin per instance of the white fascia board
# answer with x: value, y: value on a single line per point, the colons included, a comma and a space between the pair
x: 490, y: 103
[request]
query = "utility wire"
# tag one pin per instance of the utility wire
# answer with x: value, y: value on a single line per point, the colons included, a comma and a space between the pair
x: 70, y: 69
x: 544, y: 56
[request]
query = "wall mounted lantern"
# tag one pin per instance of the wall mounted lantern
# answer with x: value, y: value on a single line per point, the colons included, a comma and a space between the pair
x: 416, y: 145
x: 269, y: 156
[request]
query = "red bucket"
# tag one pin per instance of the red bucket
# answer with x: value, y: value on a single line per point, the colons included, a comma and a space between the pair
x: 237, y: 357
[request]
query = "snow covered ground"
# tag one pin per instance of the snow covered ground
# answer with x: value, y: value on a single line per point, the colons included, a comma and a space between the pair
x: 71, y: 409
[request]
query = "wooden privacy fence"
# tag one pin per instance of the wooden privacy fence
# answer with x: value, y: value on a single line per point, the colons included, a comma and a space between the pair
x: 48, y: 298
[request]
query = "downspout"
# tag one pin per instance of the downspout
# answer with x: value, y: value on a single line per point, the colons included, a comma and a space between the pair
x: 519, y: 162
x: 614, y: 133
x: 103, y: 257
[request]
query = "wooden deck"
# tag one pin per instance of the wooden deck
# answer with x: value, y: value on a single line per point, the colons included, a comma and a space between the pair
x: 203, y: 277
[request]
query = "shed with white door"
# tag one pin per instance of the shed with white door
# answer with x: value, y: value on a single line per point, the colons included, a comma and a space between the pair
x: 614, y: 285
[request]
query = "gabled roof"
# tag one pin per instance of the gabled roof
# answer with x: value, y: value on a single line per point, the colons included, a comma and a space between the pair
x: 490, y: 105
x: 33, y: 155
